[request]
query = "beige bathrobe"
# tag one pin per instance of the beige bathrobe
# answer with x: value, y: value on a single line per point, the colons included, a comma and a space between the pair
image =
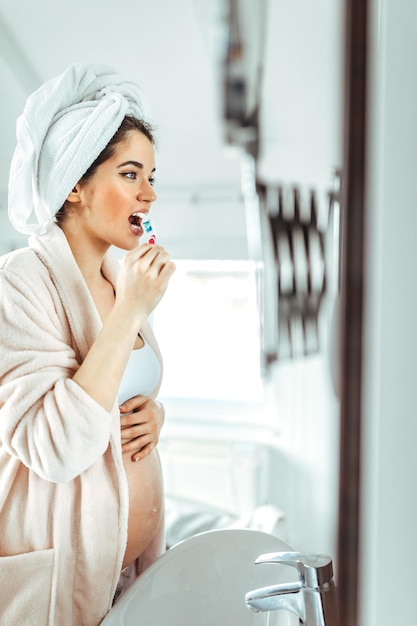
x: 63, y: 489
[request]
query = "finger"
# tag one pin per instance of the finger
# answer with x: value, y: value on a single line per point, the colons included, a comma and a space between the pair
x: 148, y: 255
x: 135, y: 446
x: 151, y: 249
x: 130, y: 420
x: 144, y: 250
x: 133, y: 404
x: 133, y: 432
x: 157, y: 258
x: 138, y: 440
x: 167, y: 270
x: 132, y: 441
x: 145, y: 451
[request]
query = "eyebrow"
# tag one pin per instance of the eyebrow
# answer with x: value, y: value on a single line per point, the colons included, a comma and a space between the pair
x: 135, y: 163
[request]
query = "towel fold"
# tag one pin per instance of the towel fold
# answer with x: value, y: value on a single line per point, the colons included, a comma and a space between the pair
x: 65, y: 125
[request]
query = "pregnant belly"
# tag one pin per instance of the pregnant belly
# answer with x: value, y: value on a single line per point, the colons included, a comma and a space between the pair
x: 146, y: 508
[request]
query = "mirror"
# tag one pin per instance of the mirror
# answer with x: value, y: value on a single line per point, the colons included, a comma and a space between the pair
x: 272, y: 463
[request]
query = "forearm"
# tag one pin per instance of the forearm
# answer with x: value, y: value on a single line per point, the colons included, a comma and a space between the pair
x: 103, y: 367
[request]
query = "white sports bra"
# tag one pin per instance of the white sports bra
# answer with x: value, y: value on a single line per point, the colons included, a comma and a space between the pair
x: 141, y: 374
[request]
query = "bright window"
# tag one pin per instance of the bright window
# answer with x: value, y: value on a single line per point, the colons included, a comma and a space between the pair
x: 208, y: 330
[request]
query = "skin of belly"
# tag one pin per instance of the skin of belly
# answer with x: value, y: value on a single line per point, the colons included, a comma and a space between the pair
x: 145, y: 503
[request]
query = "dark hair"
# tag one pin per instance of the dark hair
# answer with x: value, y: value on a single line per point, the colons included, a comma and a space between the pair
x: 128, y: 124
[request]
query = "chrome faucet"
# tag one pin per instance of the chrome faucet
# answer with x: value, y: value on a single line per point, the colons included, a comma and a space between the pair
x: 312, y: 598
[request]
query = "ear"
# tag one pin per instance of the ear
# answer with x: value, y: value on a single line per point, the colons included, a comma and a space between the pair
x: 74, y: 195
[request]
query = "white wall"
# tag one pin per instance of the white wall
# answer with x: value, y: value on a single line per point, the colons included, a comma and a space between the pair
x: 389, y: 538
x: 301, y: 143
x: 305, y: 482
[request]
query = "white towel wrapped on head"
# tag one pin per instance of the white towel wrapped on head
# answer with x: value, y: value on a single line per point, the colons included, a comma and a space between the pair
x: 65, y: 125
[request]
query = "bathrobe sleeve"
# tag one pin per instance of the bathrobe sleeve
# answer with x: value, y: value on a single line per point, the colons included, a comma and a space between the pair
x: 48, y: 421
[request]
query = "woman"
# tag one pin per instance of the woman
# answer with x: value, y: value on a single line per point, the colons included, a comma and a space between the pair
x: 80, y: 479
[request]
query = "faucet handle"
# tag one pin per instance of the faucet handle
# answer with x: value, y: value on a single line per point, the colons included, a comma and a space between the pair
x: 315, y: 570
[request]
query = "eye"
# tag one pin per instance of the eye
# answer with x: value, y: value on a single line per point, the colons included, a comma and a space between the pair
x: 130, y: 175
x: 151, y: 181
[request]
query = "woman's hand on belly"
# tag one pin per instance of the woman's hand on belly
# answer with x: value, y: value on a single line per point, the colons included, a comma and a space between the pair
x: 141, y: 420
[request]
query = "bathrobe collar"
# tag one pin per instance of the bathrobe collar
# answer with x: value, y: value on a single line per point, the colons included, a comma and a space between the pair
x: 55, y: 252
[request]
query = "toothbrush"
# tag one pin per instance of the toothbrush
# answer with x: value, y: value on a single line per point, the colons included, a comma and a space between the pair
x: 148, y: 230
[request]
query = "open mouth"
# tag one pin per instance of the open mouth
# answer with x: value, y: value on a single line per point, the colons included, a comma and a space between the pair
x: 135, y: 221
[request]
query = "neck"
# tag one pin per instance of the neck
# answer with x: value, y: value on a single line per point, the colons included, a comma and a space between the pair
x: 88, y: 253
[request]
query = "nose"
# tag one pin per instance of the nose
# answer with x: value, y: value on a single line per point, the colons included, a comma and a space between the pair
x: 146, y: 192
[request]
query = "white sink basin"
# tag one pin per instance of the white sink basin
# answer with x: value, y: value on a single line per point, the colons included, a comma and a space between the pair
x: 202, y: 581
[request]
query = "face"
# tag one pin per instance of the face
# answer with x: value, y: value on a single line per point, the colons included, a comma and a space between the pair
x: 120, y: 188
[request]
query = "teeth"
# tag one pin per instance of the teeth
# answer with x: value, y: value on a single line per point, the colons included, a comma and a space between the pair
x: 135, y: 220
